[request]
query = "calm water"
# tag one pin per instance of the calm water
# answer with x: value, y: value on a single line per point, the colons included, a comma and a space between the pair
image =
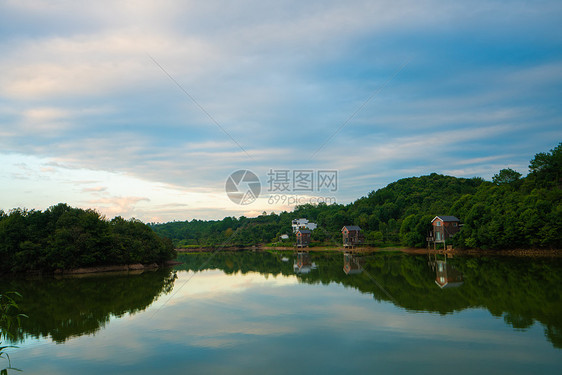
x: 298, y: 313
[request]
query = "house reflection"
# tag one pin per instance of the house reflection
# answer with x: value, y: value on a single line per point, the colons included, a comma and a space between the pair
x: 446, y: 275
x: 303, y: 264
x: 351, y: 264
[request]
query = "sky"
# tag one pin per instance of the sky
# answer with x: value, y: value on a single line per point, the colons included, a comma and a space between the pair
x: 145, y: 108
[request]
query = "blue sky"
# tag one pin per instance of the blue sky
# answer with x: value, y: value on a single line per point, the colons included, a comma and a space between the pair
x: 88, y: 118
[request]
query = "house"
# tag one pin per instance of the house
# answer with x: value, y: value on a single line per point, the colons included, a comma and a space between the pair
x: 351, y: 264
x: 302, y: 224
x: 443, y: 228
x: 352, y: 235
x: 447, y: 276
x: 303, y: 237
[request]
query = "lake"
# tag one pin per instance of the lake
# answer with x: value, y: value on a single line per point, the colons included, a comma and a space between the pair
x: 278, y: 313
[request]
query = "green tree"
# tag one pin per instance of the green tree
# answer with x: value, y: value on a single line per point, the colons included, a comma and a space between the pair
x: 506, y: 176
x: 63, y: 237
x: 512, y: 211
x: 546, y: 167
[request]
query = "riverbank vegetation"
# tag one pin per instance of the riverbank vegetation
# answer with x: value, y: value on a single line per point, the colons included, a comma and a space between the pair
x: 63, y: 238
x: 508, y: 212
x: 10, y: 318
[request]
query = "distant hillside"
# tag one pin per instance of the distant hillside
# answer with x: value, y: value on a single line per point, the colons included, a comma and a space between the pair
x: 509, y: 212
x: 380, y: 215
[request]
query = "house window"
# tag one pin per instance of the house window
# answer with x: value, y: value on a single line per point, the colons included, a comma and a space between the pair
x: 455, y: 224
x: 437, y: 223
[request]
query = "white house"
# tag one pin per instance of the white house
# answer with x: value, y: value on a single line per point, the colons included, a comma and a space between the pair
x: 303, y: 224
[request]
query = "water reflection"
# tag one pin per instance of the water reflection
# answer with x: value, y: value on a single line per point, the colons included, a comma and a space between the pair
x: 303, y: 263
x: 62, y: 308
x: 352, y: 264
x: 446, y: 274
x: 250, y: 313
x: 523, y: 291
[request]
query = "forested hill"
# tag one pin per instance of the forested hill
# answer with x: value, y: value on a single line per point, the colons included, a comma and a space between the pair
x: 62, y: 238
x: 510, y: 212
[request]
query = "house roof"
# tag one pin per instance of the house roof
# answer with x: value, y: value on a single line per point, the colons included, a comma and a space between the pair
x: 303, y: 231
x: 451, y: 284
x: 445, y: 218
x: 351, y: 227
x: 301, y: 220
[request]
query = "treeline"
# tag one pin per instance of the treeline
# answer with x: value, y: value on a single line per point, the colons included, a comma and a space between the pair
x: 515, y: 212
x: 380, y: 215
x: 511, y: 211
x: 62, y: 238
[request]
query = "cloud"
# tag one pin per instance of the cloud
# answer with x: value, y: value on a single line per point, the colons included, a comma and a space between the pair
x: 79, y: 90
x: 84, y: 65
x: 95, y: 189
x: 114, y: 206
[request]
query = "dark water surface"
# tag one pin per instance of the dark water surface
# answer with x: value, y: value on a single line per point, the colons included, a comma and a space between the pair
x: 251, y: 313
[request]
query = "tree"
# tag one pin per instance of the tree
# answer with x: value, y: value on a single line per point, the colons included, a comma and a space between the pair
x: 63, y: 238
x: 494, y: 215
x: 506, y: 176
x: 546, y: 167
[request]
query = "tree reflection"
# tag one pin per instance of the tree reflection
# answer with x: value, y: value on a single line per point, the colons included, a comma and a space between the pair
x: 65, y: 308
x: 521, y: 290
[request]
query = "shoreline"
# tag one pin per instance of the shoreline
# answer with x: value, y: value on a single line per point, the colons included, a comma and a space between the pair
x: 139, y: 268
x: 121, y: 269
x: 365, y: 250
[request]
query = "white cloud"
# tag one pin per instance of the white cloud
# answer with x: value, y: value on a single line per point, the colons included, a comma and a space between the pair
x: 96, y: 65
x: 97, y: 189
x: 28, y: 184
x: 114, y: 206
x: 79, y: 89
